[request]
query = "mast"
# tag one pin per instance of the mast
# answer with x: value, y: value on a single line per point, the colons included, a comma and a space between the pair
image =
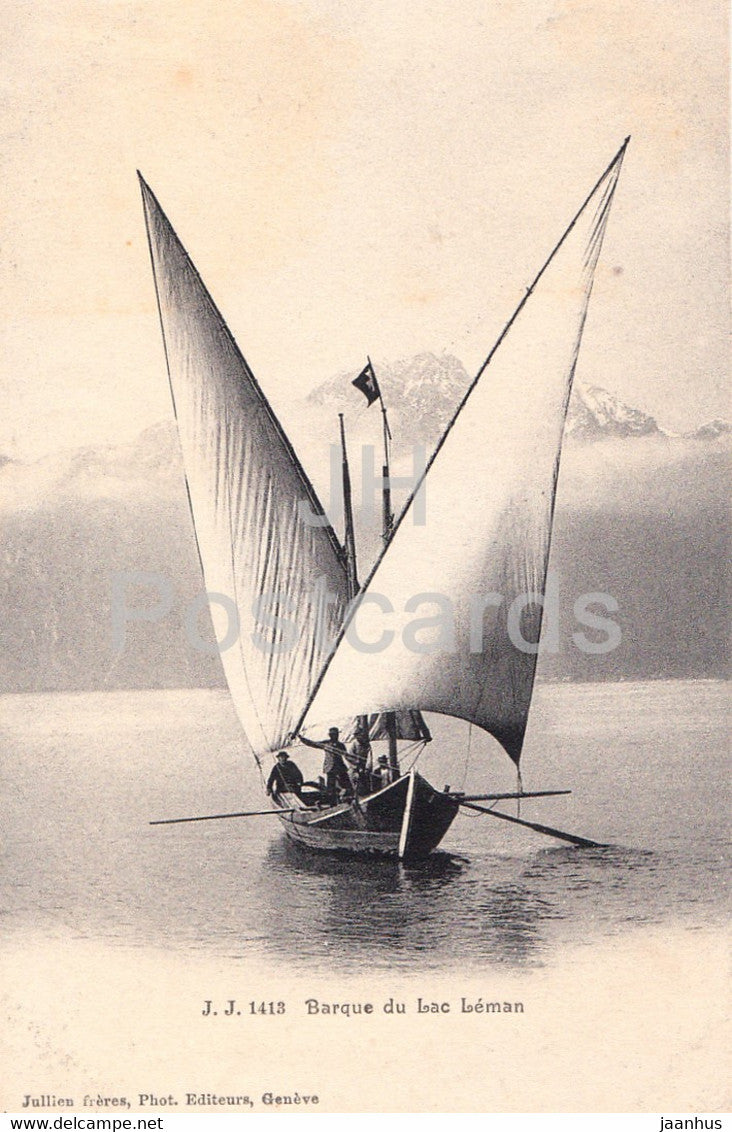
x: 349, y: 539
x: 349, y: 543
x: 387, y: 513
x: 387, y: 527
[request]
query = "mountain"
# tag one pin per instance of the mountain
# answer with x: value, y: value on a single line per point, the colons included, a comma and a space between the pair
x: 641, y: 516
x: 712, y: 431
x: 140, y: 471
x: 595, y: 414
x: 423, y: 392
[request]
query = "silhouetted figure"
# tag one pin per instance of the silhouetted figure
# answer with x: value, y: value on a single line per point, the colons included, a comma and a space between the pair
x: 358, y: 758
x: 285, y: 777
x: 334, y: 764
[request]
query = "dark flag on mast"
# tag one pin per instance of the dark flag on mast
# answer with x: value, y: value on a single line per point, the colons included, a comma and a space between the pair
x: 367, y: 383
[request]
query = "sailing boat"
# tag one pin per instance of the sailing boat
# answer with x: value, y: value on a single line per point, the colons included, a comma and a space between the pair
x: 265, y: 542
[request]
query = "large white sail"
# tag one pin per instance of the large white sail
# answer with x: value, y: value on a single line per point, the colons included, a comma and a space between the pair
x: 249, y: 497
x: 490, y: 490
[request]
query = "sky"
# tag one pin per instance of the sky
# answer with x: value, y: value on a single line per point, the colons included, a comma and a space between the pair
x: 354, y: 178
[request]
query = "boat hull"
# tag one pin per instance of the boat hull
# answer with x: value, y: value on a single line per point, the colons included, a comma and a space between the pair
x: 407, y: 819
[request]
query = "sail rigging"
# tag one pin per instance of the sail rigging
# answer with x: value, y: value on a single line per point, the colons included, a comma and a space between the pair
x: 409, y: 725
x: 483, y: 551
x: 263, y: 541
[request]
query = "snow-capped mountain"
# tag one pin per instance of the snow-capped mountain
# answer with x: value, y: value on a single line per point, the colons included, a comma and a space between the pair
x: 594, y: 413
x: 423, y: 392
x: 713, y: 430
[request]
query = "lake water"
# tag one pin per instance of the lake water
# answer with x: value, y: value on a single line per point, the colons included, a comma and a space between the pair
x: 83, y: 774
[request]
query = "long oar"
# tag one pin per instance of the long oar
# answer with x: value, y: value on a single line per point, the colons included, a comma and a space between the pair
x: 502, y: 797
x: 583, y: 842
x: 218, y: 817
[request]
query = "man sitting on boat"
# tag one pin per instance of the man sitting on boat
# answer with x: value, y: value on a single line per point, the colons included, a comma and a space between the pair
x: 334, y: 764
x: 285, y: 777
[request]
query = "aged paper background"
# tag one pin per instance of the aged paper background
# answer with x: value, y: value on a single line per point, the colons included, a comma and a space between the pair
x: 388, y: 176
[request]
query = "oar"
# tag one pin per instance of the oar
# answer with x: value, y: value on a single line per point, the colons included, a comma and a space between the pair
x: 547, y: 829
x: 502, y: 797
x: 217, y: 817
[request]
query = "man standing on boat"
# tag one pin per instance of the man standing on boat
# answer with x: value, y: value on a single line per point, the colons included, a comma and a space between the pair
x: 334, y: 763
x: 358, y: 757
x: 285, y: 777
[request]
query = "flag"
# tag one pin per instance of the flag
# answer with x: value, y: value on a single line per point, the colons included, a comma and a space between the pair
x: 367, y: 383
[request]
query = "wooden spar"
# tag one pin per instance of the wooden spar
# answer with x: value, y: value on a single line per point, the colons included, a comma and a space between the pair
x: 502, y: 797
x: 349, y: 541
x: 387, y: 526
x: 583, y: 842
x: 349, y: 538
x: 387, y: 516
x: 218, y: 817
x: 387, y: 513
x: 391, y: 732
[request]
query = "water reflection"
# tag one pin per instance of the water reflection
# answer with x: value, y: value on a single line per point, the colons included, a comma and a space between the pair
x: 509, y: 924
x: 382, y: 913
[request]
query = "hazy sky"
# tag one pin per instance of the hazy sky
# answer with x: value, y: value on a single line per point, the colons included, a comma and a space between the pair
x: 354, y: 177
